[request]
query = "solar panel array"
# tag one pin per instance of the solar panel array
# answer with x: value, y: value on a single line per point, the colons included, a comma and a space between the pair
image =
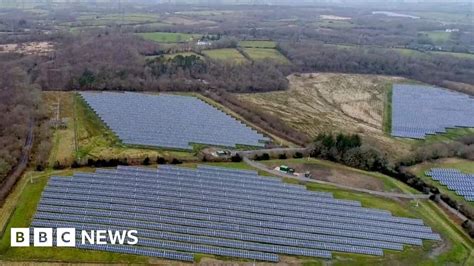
x: 459, y: 182
x: 169, y: 121
x: 180, y: 211
x: 418, y: 110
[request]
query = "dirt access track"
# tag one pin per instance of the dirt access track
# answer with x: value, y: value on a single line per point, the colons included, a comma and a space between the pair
x: 330, y: 103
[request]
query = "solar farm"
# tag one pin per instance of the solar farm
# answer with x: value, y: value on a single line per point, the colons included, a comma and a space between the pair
x: 169, y: 121
x: 180, y: 212
x: 418, y: 111
x: 461, y: 183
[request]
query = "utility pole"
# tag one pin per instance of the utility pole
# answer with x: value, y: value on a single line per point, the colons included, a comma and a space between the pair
x: 75, y: 121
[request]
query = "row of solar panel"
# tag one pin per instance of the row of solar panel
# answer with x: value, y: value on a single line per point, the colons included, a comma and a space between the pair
x: 316, y: 249
x: 243, y: 208
x: 173, y: 246
x: 165, y: 174
x: 173, y: 191
x: 226, y: 243
x: 235, y: 227
x: 176, y: 185
x: 461, y: 183
x: 112, y: 181
x: 152, y: 177
x: 322, y: 220
x: 229, y: 203
x: 217, y: 177
x: 159, y: 189
x: 176, y: 122
x: 199, y: 181
x: 284, y: 238
x: 315, y: 226
x: 414, y: 106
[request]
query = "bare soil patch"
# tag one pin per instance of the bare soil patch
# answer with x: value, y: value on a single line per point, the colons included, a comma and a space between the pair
x: 37, y: 48
x: 338, y: 176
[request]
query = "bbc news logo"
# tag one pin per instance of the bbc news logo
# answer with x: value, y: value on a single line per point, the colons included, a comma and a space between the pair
x: 67, y: 237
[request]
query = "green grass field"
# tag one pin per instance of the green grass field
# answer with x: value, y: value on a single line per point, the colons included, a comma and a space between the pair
x: 265, y: 53
x: 129, y: 18
x: 334, y: 24
x: 168, y: 37
x: 226, y: 54
x: 446, y: 17
x: 458, y: 55
x: 438, y: 36
x: 257, y: 44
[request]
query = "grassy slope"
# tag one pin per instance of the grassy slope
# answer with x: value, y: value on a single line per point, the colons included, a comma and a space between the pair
x: 225, y: 54
x: 225, y: 109
x: 168, y: 37
x: 334, y: 24
x: 264, y: 53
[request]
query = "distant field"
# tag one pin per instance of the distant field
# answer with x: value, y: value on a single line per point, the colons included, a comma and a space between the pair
x: 446, y: 17
x: 458, y: 55
x: 264, y: 53
x: 438, y: 36
x: 257, y: 44
x: 411, y: 52
x: 133, y: 17
x: 168, y: 37
x: 205, y: 12
x: 335, y: 23
x: 229, y: 54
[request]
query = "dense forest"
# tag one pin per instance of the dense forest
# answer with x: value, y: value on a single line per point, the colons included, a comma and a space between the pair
x: 18, y: 109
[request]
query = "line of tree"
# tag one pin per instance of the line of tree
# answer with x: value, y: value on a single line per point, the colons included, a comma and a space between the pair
x: 348, y: 150
x: 113, y: 162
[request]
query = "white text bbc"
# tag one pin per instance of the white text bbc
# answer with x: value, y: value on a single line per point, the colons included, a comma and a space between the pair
x: 66, y: 237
